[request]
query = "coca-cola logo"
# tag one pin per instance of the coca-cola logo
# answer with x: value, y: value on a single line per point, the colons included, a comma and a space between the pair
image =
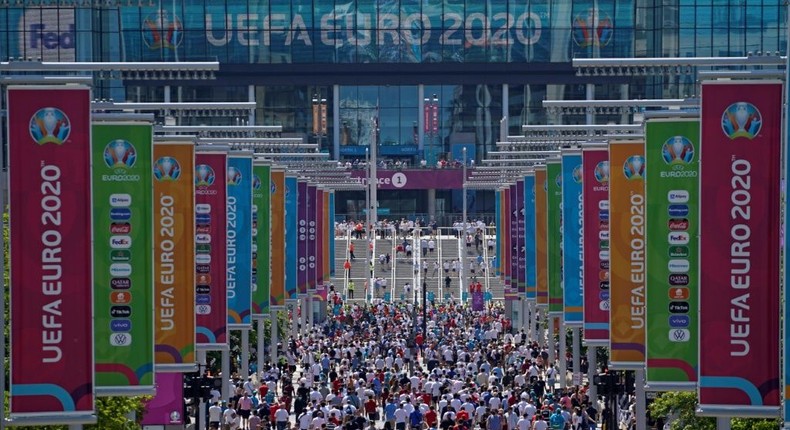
x: 120, y: 228
x: 678, y: 224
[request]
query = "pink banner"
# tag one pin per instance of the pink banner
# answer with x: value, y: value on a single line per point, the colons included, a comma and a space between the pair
x: 739, y: 247
x: 167, y: 406
x: 211, y: 300
x: 595, y: 167
x: 51, y: 259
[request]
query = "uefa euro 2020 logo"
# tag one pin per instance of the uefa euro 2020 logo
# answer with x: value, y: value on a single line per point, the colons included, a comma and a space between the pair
x: 592, y: 28
x: 577, y: 174
x: 162, y: 31
x: 234, y: 176
x: 741, y: 120
x: 50, y: 125
x: 204, y: 175
x: 167, y: 169
x: 634, y: 167
x: 602, y: 172
x: 677, y: 150
x: 558, y: 181
x: 256, y: 182
x: 120, y: 154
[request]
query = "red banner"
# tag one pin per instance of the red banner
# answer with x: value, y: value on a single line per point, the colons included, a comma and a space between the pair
x: 51, y: 259
x: 211, y: 300
x: 595, y: 167
x: 739, y: 247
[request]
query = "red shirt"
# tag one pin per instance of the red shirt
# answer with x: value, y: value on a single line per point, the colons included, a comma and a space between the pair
x: 430, y: 418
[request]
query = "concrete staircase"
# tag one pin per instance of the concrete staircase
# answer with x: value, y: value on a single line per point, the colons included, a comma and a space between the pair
x: 401, y: 268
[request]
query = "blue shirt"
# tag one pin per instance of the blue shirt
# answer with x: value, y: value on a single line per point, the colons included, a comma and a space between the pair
x: 389, y: 410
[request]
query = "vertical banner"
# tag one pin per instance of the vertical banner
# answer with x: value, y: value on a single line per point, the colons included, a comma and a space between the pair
x: 522, y: 261
x: 302, y: 242
x: 554, y: 235
x: 167, y: 406
x: 122, y: 254
x: 319, y: 236
x: 627, y: 254
x: 174, y: 256
x: 530, y: 262
x: 312, y: 243
x: 261, y: 238
x: 332, y: 233
x: 507, y: 263
x: 277, y: 293
x: 291, y: 238
x: 572, y: 249
x: 211, y: 297
x: 595, y: 165
x: 239, y: 240
x: 672, y: 224
x: 541, y: 238
x: 739, y: 248
x: 327, y: 233
x: 52, y: 365
x: 498, y: 217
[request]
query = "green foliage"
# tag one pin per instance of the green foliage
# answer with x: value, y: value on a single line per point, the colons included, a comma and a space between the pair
x: 113, y: 413
x: 681, y: 406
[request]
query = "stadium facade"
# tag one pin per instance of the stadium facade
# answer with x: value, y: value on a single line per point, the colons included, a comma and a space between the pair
x: 423, y: 78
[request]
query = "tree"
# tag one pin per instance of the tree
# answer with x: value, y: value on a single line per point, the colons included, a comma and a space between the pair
x: 112, y: 413
x: 679, y: 408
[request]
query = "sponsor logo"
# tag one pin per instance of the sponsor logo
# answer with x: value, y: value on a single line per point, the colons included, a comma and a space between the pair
x: 203, y: 289
x: 203, y: 299
x: 49, y: 125
x: 256, y: 183
x: 602, y: 172
x: 603, y: 305
x: 203, y: 248
x: 603, y: 205
x: 634, y: 167
x: 603, y: 285
x: 120, y: 200
x: 603, y: 235
x: 202, y: 268
x: 603, y: 255
x: 120, y: 242
x: 603, y: 215
x: 603, y: 244
x: 677, y: 150
x: 120, y: 297
x: 120, y: 255
x: 234, y: 176
x: 676, y: 224
x: 120, y: 325
x: 203, y: 238
x: 677, y: 279
x: 603, y: 295
x: 678, y: 251
x: 120, y: 283
x: 203, y: 229
x: 604, y: 264
x: 203, y: 259
x: 603, y: 275
x: 204, y: 279
x: 121, y: 339
x: 678, y: 211
x: 741, y: 119
x: 254, y: 271
x: 678, y: 196
x: 120, y: 214
x: 254, y: 248
x: 678, y: 238
x: 120, y: 270
x: 203, y: 309
x: 203, y: 219
x: 679, y: 293
x: 162, y: 30
x: 120, y: 228
x: 679, y: 321
x: 167, y: 169
x: 577, y: 174
x: 679, y: 307
x: 204, y: 175
x: 120, y: 154
x: 203, y: 208
x: 678, y: 266
x: 679, y: 335
x: 558, y: 181
x: 603, y: 225
x: 120, y: 311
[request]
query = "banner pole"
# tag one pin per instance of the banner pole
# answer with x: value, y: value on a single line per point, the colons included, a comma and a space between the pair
x: 577, y: 355
x: 592, y: 368
x: 641, y: 415
x: 274, y: 328
x: 561, y: 338
x: 225, y: 372
x: 245, y: 353
x: 261, y: 349
x: 722, y: 423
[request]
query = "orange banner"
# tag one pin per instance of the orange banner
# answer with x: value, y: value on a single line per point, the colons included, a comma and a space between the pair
x: 626, y: 219
x: 541, y: 247
x: 174, y: 256
x: 277, y: 297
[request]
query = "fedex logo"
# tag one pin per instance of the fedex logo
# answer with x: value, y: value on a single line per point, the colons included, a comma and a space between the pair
x: 40, y: 37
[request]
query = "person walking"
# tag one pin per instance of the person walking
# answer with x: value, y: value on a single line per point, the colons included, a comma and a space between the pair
x: 347, y: 267
x: 351, y: 251
x: 351, y: 288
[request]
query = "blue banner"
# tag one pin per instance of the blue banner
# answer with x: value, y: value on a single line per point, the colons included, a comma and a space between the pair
x: 332, y: 233
x: 291, y: 236
x: 529, y: 236
x: 572, y: 237
x: 239, y: 240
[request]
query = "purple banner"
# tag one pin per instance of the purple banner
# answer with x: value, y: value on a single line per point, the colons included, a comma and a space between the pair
x: 422, y: 179
x: 319, y: 233
x: 167, y: 406
x: 512, y: 196
x: 521, y: 274
x: 301, y: 239
x: 477, y: 301
x: 312, y: 245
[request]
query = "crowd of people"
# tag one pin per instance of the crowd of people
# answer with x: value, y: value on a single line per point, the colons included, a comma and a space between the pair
x: 380, y: 366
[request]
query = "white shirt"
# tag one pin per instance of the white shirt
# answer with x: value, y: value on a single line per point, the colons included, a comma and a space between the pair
x: 215, y: 413
x: 281, y: 415
x: 540, y: 425
x: 401, y: 415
